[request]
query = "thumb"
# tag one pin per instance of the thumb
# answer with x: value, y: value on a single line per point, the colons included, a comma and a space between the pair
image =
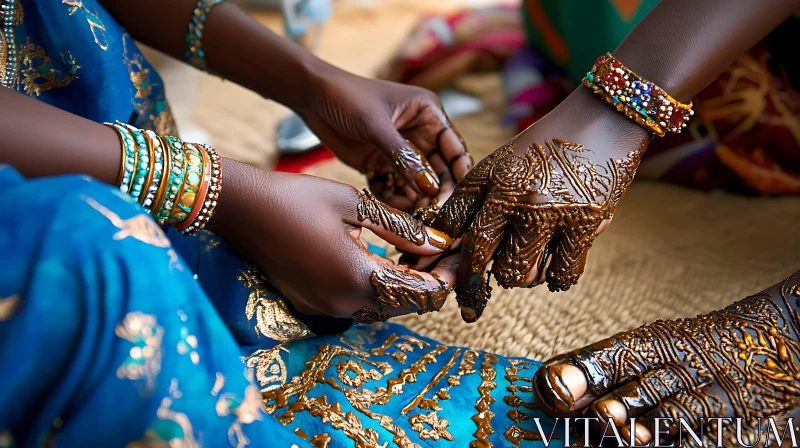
x: 409, y: 161
x: 399, y: 228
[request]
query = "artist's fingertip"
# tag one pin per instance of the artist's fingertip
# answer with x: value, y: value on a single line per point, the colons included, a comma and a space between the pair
x: 438, y: 239
x: 428, y: 182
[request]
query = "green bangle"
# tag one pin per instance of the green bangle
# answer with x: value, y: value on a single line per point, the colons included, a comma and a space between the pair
x: 192, y: 178
x: 176, y: 175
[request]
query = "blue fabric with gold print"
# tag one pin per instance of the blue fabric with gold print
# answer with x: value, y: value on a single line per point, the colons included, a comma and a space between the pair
x: 110, y: 338
x: 114, y: 333
x: 73, y: 54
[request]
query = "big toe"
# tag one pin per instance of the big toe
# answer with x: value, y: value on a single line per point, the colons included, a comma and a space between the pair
x: 560, y: 387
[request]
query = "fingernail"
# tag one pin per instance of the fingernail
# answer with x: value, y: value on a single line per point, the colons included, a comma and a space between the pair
x: 468, y: 314
x: 427, y: 182
x: 611, y: 409
x: 563, y: 385
x: 438, y: 239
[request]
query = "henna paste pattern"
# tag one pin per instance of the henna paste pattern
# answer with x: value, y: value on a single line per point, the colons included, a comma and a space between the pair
x: 556, y: 194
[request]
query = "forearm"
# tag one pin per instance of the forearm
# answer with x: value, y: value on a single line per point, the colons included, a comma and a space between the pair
x: 682, y: 45
x: 40, y: 140
x: 236, y: 46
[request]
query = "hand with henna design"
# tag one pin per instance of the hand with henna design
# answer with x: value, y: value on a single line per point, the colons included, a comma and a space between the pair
x: 535, y: 205
x: 741, y: 362
x: 303, y: 234
x: 398, y: 135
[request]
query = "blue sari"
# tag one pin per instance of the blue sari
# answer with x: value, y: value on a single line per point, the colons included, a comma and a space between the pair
x: 116, y: 332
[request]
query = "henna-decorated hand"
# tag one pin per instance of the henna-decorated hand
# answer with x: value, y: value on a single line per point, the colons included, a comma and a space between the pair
x: 536, y: 204
x: 302, y: 233
x: 398, y: 135
x: 741, y: 362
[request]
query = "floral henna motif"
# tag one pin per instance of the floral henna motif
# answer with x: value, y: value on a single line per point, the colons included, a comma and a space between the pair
x: 552, y: 197
x: 741, y: 362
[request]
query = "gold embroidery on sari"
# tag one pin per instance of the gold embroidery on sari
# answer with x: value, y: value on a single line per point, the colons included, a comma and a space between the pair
x: 141, y: 227
x: 8, y: 306
x: 514, y: 433
x: 165, y: 413
x: 144, y: 359
x: 273, y: 319
x: 354, y: 375
x: 93, y: 19
x: 159, y: 116
x: 38, y: 73
x: 164, y: 122
x: 483, y: 419
x: 270, y: 370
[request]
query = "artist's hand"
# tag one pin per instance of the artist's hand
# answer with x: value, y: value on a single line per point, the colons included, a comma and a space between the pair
x: 302, y: 233
x: 398, y: 135
x: 535, y: 205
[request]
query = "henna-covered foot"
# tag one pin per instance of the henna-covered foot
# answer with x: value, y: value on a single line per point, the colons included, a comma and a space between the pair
x: 742, y: 362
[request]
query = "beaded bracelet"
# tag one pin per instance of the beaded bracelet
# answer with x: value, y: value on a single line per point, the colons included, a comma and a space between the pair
x: 176, y: 182
x: 640, y: 100
x: 156, y: 176
x: 128, y: 156
x: 194, y: 37
x: 192, y: 178
x: 214, y: 189
x: 142, y: 164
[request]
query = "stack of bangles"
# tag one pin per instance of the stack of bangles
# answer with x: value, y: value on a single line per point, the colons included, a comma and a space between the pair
x: 177, y: 183
x: 639, y: 99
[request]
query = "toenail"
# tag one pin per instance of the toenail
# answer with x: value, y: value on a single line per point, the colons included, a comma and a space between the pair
x: 567, y: 384
x: 611, y: 409
x: 641, y: 433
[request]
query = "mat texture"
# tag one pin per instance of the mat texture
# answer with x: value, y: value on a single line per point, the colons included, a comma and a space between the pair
x: 669, y: 252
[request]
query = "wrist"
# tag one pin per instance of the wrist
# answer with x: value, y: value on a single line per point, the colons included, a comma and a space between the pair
x: 585, y: 118
x: 226, y: 208
x: 299, y: 85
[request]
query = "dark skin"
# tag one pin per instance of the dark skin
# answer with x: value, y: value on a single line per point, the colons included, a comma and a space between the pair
x: 291, y: 227
x: 695, y: 44
x: 696, y: 368
x: 376, y: 127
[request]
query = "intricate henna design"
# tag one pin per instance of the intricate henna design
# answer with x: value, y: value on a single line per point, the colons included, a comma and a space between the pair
x: 398, y: 222
x: 741, y: 362
x: 413, y: 162
x: 400, y: 288
x: 518, y: 204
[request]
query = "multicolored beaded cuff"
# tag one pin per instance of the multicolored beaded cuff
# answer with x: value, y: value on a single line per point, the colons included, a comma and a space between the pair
x: 194, y: 37
x: 640, y: 100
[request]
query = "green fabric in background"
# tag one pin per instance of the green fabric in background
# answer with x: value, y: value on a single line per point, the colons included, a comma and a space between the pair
x: 584, y: 28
